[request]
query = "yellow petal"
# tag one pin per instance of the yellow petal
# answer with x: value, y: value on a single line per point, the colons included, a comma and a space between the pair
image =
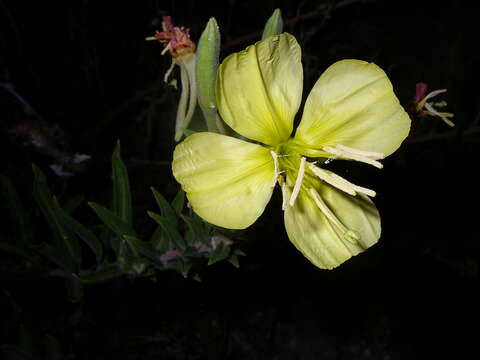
x: 353, y: 104
x: 228, y: 181
x: 319, y: 240
x: 259, y: 89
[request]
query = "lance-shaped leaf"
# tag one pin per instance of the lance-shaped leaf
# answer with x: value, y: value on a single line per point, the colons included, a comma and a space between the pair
x: 18, y: 217
x: 178, y: 201
x: 160, y: 240
x: 166, y: 209
x: 122, y: 199
x: 84, y: 233
x: 208, y: 52
x: 112, y: 220
x: 169, y: 229
x: 221, y: 252
x: 108, y: 272
x: 65, y: 239
x: 274, y: 25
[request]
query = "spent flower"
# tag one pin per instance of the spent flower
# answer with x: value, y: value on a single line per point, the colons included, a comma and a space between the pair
x: 424, y: 107
x: 351, y: 113
x: 177, y: 43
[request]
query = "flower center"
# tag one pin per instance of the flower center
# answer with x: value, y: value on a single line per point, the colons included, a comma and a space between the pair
x: 295, y: 173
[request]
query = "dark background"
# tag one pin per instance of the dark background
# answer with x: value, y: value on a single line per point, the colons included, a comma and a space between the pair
x: 89, y: 78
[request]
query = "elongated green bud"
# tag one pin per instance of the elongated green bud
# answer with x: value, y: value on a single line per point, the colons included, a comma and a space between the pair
x: 208, y: 52
x: 274, y: 25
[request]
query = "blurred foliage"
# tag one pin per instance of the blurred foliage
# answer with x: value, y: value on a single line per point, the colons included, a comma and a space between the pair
x: 180, y: 241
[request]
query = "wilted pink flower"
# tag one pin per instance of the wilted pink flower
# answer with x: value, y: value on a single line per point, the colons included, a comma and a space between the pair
x: 175, y: 39
x: 423, y: 107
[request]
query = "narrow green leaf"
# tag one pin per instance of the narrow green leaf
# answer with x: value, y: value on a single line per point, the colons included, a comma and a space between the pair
x: 239, y: 252
x: 196, y: 229
x: 59, y: 257
x: 221, y: 252
x: 170, y: 230
x: 160, y: 240
x: 165, y: 208
x: 18, y: 217
x: 179, y: 201
x: 274, y: 25
x: 208, y: 52
x: 83, y: 233
x: 234, y: 261
x: 109, y: 272
x: 112, y: 221
x: 50, y: 209
x: 73, y: 203
x: 144, y: 248
x: 122, y: 199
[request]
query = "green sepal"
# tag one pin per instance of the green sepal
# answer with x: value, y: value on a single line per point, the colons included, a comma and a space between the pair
x: 274, y: 25
x: 208, y: 52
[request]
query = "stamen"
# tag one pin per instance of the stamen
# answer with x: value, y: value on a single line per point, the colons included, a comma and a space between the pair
x: 348, y: 234
x: 429, y: 96
x: 283, y: 185
x: 168, y: 47
x: 325, y: 176
x: 298, y: 181
x: 275, y: 163
x: 169, y: 71
x: 353, y: 154
x: 340, y: 183
x: 370, y: 154
x: 443, y: 115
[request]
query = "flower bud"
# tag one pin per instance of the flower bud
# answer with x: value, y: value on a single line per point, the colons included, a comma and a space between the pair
x: 274, y: 25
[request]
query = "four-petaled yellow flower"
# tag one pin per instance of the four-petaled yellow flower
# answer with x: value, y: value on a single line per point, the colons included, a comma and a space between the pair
x: 351, y: 113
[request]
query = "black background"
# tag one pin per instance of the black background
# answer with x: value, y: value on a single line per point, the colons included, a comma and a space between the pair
x: 86, y: 69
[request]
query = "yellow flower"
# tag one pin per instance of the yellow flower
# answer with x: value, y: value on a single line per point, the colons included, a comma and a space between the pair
x: 351, y: 113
